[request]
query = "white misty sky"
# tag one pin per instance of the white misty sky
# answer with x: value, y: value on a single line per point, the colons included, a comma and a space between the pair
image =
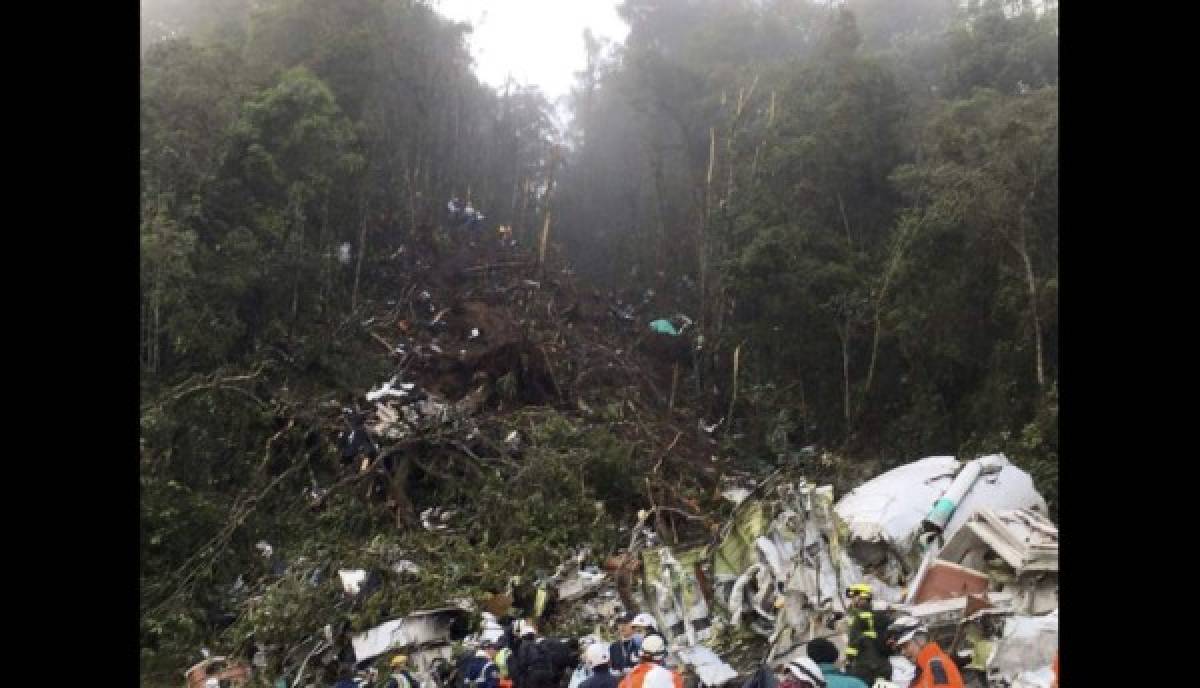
x: 539, y: 41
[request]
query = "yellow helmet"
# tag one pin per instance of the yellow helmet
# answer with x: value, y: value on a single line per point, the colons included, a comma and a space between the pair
x: 399, y: 660
x: 858, y: 590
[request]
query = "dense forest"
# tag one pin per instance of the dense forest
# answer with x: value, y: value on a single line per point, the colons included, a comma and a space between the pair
x: 856, y: 203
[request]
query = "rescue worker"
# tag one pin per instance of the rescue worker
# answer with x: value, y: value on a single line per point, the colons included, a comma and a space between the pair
x: 644, y: 627
x: 621, y: 653
x: 502, y: 659
x: 481, y: 670
x: 461, y: 663
x: 866, y: 656
x: 933, y: 666
x: 803, y: 673
x: 400, y: 677
x: 539, y: 660
x: 825, y: 654
x: 597, y: 659
x: 650, y: 672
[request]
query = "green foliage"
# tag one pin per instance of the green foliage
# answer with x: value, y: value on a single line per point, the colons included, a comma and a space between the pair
x: 876, y: 229
x: 879, y: 219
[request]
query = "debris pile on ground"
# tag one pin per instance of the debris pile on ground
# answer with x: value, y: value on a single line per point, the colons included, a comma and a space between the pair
x: 739, y: 570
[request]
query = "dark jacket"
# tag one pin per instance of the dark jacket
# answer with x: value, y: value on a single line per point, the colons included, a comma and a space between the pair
x: 602, y: 678
x: 539, y: 663
x: 393, y: 683
x: 620, y: 655
x: 864, y: 650
x: 481, y: 672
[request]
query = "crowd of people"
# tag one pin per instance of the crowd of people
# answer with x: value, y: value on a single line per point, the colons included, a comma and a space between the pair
x: 521, y: 657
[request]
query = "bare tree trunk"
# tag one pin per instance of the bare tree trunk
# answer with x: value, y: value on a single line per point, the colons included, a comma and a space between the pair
x: 326, y: 274
x: 1021, y: 247
x: 844, y: 336
x: 702, y: 244
x: 156, y: 332
x: 411, y: 176
x: 545, y: 238
x: 674, y: 385
x: 1031, y: 283
x: 902, y: 242
x: 660, y: 208
x: 845, y: 222
x: 362, y: 251
x: 295, y: 302
x: 737, y: 353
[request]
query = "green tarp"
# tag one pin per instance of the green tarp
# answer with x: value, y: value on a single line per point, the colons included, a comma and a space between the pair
x: 664, y: 327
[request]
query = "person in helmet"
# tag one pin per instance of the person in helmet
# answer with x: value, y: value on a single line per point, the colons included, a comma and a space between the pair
x: 825, y: 654
x: 650, y: 672
x: 802, y: 673
x: 621, y: 652
x: 597, y: 660
x: 400, y: 678
x: 644, y: 627
x: 933, y: 666
x: 539, y: 662
x: 866, y: 656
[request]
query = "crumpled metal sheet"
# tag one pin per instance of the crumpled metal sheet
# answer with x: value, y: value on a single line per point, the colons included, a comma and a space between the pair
x: 709, y: 667
x: 1041, y: 678
x: 792, y: 587
x: 885, y: 513
x: 736, y: 553
x: 674, y: 593
x: 1028, y: 643
x: 352, y: 580
x: 1009, y: 488
x: 432, y: 627
x: 902, y: 670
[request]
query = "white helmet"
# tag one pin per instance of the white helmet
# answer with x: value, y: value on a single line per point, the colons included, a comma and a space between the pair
x: 595, y: 655
x: 807, y: 671
x: 644, y: 620
x: 658, y: 677
x: 903, y: 629
x: 654, y: 647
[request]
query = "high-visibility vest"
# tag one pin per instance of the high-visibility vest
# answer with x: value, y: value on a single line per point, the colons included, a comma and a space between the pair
x: 502, y: 661
x: 936, y: 669
x: 866, y: 622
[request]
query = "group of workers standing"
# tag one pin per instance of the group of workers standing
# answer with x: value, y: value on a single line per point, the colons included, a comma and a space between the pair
x: 523, y: 658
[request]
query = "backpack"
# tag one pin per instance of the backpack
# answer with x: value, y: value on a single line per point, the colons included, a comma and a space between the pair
x: 540, y: 657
